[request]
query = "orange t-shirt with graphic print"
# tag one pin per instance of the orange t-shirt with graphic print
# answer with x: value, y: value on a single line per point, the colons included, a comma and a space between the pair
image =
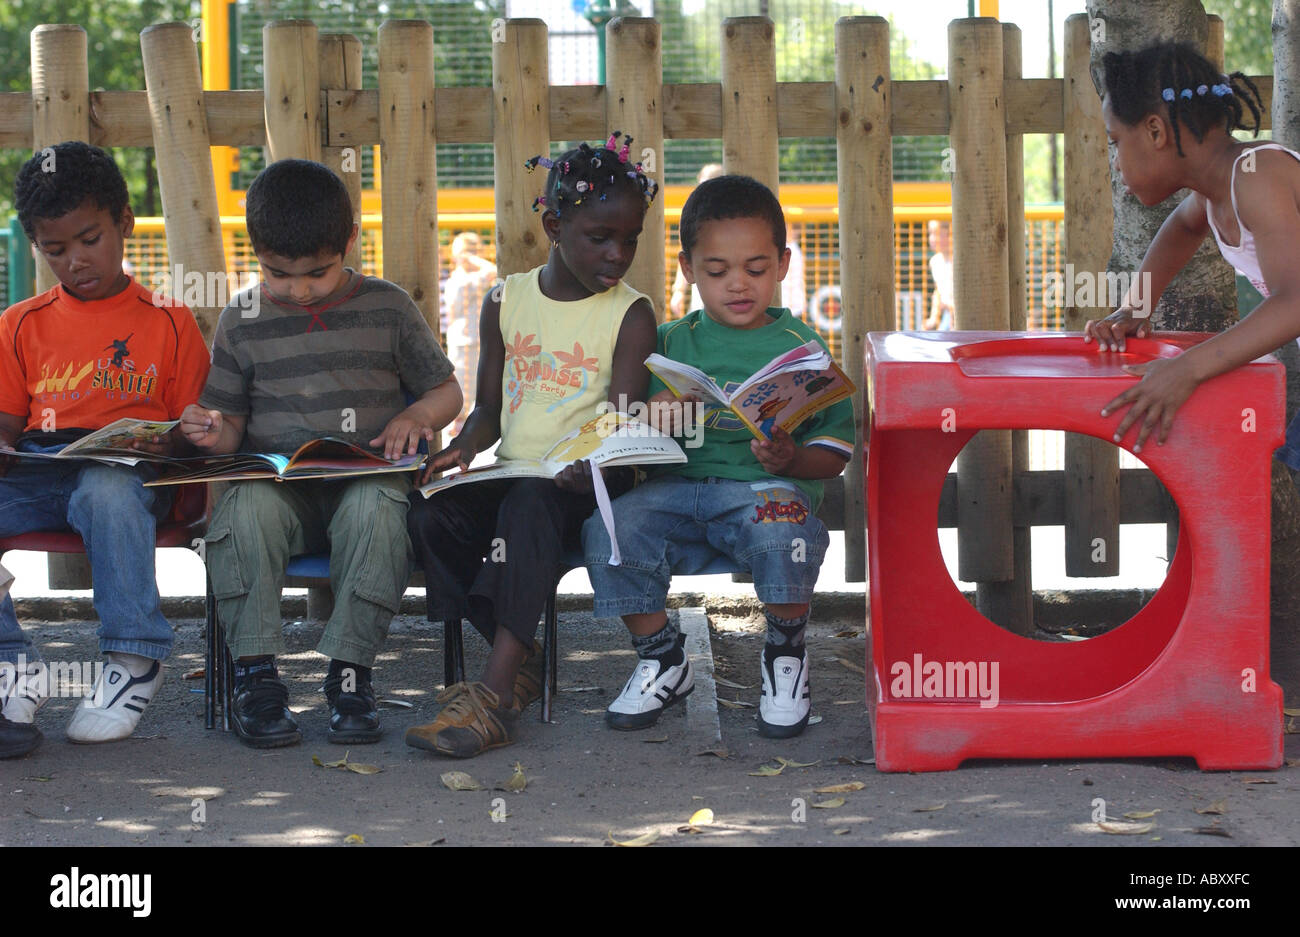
x: 69, y: 364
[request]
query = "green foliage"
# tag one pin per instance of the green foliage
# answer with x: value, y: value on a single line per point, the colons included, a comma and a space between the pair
x: 113, y: 38
x: 1247, y: 34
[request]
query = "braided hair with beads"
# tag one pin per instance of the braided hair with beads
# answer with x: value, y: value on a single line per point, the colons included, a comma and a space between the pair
x: 1187, y: 86
x: 586, y: 172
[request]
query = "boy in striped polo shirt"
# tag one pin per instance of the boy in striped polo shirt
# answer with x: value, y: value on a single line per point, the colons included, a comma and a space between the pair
x: 317, y: 350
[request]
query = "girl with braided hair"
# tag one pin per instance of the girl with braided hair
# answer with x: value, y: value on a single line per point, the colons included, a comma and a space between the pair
x: 555, y: 345
x: 1169, y: 115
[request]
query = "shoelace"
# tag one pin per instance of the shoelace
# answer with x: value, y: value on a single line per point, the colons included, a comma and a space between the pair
x: 464, y: 699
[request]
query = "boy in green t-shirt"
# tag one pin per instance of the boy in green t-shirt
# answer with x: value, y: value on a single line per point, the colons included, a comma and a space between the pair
x: 751, y: 501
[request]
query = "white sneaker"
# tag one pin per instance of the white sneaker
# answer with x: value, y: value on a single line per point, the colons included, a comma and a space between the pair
x: 651, y: 688
x: 784, y: 706
x: 115, y: 705
x: 23, y: 692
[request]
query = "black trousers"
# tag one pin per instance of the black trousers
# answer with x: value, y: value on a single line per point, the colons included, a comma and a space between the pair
x: 493, y: 551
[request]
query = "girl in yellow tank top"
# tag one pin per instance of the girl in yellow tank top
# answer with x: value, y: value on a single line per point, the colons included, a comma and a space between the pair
x: 556, y: 344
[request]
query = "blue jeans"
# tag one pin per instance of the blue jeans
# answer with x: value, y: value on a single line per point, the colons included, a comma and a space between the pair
x: 117, y: 518
x: 1290, y: 451
x: 682, y: 524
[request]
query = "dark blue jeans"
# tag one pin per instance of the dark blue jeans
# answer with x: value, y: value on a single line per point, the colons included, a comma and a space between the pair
x: 117, y: 518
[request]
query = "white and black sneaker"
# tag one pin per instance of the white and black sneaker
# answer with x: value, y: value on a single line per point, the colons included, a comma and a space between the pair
x: 23, y: 692
x: 785, y: 704
x: 115, y: 705
x: 652, y: 687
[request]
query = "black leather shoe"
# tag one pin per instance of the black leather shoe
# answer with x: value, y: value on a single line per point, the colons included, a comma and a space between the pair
x: 260, y: 707
x: 18, y: 738
x: 354, y: 716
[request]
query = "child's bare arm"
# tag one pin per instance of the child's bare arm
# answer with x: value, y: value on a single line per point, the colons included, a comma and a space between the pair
x: 1170, y: 250
x: 781, y: 455
x: 11, y: 426
x: 212, y: 431
x: 483, y: 425
x: 421, y: 420
x: 1267, y: 207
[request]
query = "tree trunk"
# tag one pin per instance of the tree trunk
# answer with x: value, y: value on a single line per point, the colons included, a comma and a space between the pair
x: 1203, y: 297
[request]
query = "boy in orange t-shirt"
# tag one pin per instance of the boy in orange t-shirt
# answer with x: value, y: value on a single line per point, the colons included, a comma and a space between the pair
x: 94, y: 349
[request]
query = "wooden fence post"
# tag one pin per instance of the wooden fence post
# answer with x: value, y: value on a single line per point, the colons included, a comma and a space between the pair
x: 407, y: 137
x: 749, y: 127
x: 291, y: 89
x: 339, y: 55
x: 1091, y: 464
x: 863, y: 96
x: 182, y: 151
x: 60, y: 112
x: 521, y: 129
x: 634, y: 104
x: 1012, y: 603
x: 980, y: 231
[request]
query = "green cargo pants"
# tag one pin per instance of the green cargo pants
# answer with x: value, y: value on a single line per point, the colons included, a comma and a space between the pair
x: 360, y: 522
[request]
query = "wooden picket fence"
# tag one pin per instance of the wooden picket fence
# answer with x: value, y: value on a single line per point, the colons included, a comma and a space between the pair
x: 312, y: 106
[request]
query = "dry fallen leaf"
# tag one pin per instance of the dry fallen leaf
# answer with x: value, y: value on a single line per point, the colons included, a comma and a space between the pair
x: 1293, y: 762
x: 1213, y: 831
x: 645, y: 839
x: 656, y: 741
x: 460, y: 781
x: 517, y: 781
x: 1291, y: 728
x: 844, y: 702
x: 856, y: 668
x: 1124, y: 829
x: 700, y: 818
x: 363, y: 769
x: 200, y: 674
x: 1258, y: 781
x: 723, y: 681
x: 1141, y: 814
x: 839, y: 832
x: 766, y: 771
x: 847, y: 760
x: 813, y: 720
x: 1285, y: 712
x: 840, y: 788
x: 735, y: 703
x: 850, y: 633
x: 355, y: 839
x: 787, y: 763
x: 928, y: 809
x: 397, y: 703
x: 580, y: 689
x: 1219, y: 807
x: 829, y: 804
x: 431, y: 842
x: 716, y: 752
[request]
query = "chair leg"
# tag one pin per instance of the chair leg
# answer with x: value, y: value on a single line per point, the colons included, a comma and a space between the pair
x: 210, y: 662
x: 453, y: 655
x: 227, y: 679
x: 549, y: 640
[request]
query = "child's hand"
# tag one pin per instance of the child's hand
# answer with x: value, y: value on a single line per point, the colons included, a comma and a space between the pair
x: 402, y: 436
x: 668, y: 412
x: 1165, y: 385
x: 1109, y: 332
x: 775, y: 454
x: 576, y: 477
x: 157, y: 445
x: 460, y: 453
x: 201, y: 427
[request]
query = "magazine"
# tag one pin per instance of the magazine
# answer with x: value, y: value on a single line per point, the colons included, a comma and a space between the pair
x: 326, y: 457
x: 110, y: 444
x: 610, y: 439
x: 786, y: 391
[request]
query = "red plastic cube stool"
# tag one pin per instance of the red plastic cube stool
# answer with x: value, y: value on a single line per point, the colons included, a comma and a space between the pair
x: 1188, y: 675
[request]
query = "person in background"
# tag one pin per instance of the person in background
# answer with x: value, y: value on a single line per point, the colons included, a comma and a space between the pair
x: 793, y: 295
x: 470, y: 279
x: 942, y: 309
x: 682, y: 290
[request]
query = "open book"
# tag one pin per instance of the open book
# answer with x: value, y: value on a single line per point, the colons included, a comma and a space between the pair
x: 784, y: 392
x: 320, y: 458
x: 609, y: 439
x: 110, y: 444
